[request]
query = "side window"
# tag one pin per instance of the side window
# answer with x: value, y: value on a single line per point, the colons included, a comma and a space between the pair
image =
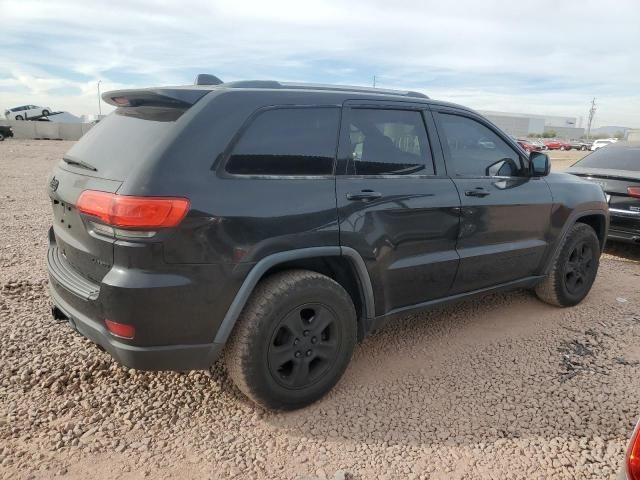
x: 388, y: 142
x: 476, y: 150
x: 287, y: 141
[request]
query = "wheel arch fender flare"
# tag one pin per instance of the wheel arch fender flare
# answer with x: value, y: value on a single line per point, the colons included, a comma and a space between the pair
x: 261, y: 267
x: 574, y: 218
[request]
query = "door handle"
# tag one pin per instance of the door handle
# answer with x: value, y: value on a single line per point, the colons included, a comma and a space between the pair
x: 364, y: 195
x: 477, y: 192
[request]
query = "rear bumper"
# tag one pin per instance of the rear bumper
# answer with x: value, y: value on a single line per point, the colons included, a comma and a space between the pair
x: 172, y: 357
x: 176, y: 310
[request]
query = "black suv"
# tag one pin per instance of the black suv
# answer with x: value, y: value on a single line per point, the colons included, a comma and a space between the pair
x: 281, y: 223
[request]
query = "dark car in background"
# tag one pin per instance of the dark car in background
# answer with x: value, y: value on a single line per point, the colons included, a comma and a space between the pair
x: 581, y: 144
x: 5, y: 131
x: 277, y: 224
x: 617, y: 170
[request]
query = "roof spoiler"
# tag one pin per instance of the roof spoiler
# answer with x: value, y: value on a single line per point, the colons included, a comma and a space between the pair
x: 154, y: 97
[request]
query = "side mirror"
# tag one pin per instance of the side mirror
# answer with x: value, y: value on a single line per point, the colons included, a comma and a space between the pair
x: 502, y: 168
x: 540, y: 164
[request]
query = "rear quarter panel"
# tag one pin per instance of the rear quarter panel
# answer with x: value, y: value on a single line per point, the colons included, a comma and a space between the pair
x: 234, y: 219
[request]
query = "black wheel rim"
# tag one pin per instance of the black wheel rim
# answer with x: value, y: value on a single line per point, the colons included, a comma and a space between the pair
x: 304, y: 346
x: 579, y: 269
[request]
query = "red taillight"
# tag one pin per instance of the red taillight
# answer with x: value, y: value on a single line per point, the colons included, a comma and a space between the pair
x: 121, y: 330
x: 133, y: 212
x: 634, y: 191
x: 633, y: 456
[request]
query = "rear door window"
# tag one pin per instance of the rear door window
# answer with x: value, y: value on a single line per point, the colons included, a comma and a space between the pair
x: 287, y: 141
x: 388, y: 142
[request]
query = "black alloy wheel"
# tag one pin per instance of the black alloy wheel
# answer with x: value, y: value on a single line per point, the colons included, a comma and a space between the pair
x: 293, y: 341
x: 574, y: 268
x: 580, y: 268
x: 304, y: 346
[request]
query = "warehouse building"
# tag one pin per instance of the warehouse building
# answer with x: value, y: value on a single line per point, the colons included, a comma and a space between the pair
x: 523, y: 124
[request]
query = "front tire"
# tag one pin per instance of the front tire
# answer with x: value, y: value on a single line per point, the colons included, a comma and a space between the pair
x: 19, y: 117
x: 45, y: 113
x: 293, y: 340
x: 574, y: 269
x: 1, y: 137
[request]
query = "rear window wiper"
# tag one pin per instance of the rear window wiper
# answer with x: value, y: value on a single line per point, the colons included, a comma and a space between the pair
x: 79, y: 163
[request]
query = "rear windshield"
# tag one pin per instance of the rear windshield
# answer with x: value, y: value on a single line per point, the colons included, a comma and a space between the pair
x: 615, y: 157
x: 123, y: 139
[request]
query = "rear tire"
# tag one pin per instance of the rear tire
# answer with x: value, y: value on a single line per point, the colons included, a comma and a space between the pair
x: 293, y: 340
x: 583, y: 148
x: 1, y: 137
x: 574, y: 269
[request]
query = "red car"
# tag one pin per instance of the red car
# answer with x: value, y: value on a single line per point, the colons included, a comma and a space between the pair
x: 556, y: 144
x: 528, y: 146
x: 631, y: 467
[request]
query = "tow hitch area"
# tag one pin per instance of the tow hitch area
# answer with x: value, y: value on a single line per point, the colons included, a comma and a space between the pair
x: 58, y: 314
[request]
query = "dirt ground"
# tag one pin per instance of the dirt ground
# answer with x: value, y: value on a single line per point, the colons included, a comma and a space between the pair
x: 496, y: 388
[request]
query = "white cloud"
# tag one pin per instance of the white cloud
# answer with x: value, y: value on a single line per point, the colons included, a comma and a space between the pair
x: 543, y: 57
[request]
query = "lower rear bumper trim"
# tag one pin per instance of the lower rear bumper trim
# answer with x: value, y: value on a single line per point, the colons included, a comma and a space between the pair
x: 166, y: 357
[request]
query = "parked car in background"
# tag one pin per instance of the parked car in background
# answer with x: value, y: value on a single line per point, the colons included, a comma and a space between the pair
x: 537, y: 142
x: 557, y: 144
x: 26, y: 112
x: 528, y: 145
x: 5, y: 131
x: 603, y: 142
x: 581, y: 144
x: 617, y: 170
x: 631, y: 467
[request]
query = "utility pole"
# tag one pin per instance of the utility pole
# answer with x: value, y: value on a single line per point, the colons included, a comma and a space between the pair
x: 592, y: 112
x: 374, y: 81
x: 99, y: 104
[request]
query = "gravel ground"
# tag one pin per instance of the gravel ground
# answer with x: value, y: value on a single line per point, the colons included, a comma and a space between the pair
x: 562, y: 159
x: 497, y: 388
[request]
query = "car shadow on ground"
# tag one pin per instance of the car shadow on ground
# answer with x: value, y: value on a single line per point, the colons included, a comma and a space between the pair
x: 483, y: 370
x: 627, y: 251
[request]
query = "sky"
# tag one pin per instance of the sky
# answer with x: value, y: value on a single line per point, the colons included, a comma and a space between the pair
x: 542, y: 57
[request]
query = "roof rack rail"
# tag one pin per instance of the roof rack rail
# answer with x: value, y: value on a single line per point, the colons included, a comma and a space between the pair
x: 272, y: 84
x: 253, y: 84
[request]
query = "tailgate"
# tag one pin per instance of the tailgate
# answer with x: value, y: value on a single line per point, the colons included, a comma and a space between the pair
x: 91, y: 255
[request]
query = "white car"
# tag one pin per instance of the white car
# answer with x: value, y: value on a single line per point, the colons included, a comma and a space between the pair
x: 26, y: 111
x: 603, y: 142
